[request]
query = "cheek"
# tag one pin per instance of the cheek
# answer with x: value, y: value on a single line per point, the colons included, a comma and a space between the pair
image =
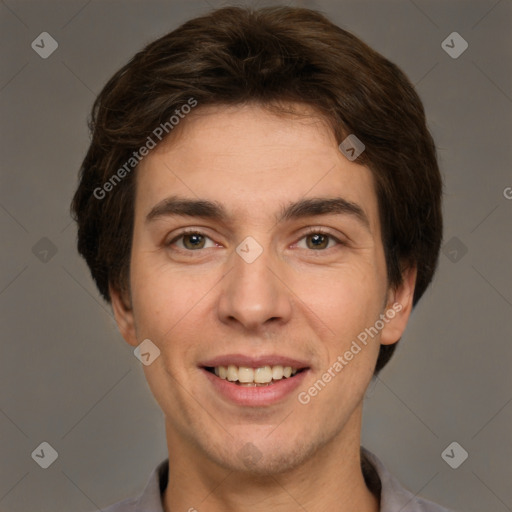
x: 347, y: 300
x: 167, y: 303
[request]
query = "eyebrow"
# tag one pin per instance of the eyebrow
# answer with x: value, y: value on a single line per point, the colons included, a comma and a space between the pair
x: 213, y: 210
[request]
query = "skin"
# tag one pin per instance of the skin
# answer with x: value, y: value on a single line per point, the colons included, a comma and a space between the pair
x: 294, y: 300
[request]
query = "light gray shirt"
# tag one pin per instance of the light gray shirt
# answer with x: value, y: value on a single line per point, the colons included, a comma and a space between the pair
x: 393, y: 496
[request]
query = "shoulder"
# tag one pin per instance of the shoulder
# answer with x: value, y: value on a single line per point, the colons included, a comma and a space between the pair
x: 128, y: 505
x: 393, y: 496
x: 150, y: 500
x: 421, y: 505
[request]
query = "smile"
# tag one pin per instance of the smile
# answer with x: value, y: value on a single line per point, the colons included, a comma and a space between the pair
x: 250, y: 377
x: 254, y: 381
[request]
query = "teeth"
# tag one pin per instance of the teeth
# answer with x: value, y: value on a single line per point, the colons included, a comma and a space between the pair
x: 253, y: 376
x: 232, y: 373
x: 245, y: 374
x: 277, y: 372
x: 263, y: 375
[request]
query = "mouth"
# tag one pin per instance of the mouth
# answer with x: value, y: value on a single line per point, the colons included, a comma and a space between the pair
x: 254, y: 377
x: 249, y: 381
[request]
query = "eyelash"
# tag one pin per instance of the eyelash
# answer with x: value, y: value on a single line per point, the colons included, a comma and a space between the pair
x: 310, y: 231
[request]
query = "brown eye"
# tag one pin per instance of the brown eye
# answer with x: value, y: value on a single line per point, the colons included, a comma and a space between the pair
x: 193, y: 241
x: 317, y: 241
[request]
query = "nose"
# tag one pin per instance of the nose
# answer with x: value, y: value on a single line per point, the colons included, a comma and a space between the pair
x: 254, y: 295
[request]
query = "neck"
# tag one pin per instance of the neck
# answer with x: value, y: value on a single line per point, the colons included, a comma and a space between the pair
x: 330, y: 480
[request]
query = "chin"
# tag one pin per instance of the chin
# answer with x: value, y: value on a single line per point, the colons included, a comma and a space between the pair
x: 262, y: 457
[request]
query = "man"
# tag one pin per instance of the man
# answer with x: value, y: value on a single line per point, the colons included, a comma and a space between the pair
x: 261, y: 204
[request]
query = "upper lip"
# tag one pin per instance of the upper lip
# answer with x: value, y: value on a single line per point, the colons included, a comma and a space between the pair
x: 254, y: 362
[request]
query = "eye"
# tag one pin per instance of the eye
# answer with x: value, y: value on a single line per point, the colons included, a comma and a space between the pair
x: 318, y: 239
x: 191, y: 241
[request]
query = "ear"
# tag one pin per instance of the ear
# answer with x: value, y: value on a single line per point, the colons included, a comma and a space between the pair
x: 399, y: 307
x: 123, y: 313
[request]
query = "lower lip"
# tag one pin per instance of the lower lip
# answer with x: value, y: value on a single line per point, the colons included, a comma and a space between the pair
x: 255, y: 395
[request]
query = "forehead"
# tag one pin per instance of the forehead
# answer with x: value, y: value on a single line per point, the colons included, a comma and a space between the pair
x: 252, y: 161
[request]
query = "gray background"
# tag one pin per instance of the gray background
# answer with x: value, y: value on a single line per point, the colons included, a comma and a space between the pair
x: 68, y: 378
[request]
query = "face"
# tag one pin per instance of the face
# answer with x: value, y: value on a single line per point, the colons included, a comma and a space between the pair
x: 257, y: 255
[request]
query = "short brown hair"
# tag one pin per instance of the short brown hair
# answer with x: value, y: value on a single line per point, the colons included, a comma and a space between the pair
x: 271, y: 56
